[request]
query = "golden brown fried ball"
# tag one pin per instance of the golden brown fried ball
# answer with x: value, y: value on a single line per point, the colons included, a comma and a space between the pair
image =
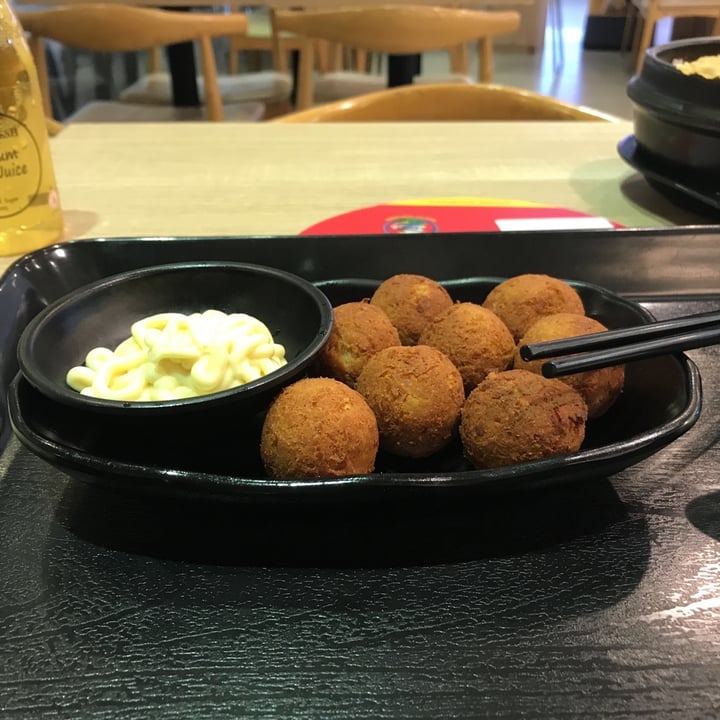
x: 475, y: 340
x: 318, y: 427
x: 519, y: 301
x: 411, y: 302
x: 416, y: 394
x: 359, y: 331
x: 517, y: 416
x: 599, y: 388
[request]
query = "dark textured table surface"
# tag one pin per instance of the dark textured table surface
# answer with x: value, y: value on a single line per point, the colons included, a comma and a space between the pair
x: 592, y: 600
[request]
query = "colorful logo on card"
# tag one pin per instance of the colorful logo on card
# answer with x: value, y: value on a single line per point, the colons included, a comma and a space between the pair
x: 409, y: 225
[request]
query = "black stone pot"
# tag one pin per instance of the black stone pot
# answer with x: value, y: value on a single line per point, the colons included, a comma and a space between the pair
x: 677, y: 116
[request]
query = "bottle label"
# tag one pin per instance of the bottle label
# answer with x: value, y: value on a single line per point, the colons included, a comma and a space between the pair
x: 20, y: 166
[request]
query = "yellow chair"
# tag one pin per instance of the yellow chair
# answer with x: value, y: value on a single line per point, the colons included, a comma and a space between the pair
x: 119, y: 28
x: 259, y: 38
x: 447, y: 102
x: 392, y: 29
x: 53, y: 127
x: 271, y: 87
x: 650, y: 11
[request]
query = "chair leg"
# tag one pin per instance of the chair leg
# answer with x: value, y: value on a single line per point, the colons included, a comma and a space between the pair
x: 213, y: 101
x: 361, y: 60
x: 335, y: 55
x: 279, y: 50
x: 459, y: 61
x: 304, y: 91
x: 155, y: 60
x: 233, y: 60
x: 485, y: 59
x: 637, y: 32
x: 631, y: 17
x: 379, y: 63
x: 321, y: 50
x: 646, y: 39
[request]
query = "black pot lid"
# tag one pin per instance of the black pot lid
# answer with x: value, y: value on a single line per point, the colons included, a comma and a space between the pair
x: 661, y: 86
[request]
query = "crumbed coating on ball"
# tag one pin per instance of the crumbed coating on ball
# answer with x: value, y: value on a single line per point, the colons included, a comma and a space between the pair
x: 599, y: 388
x: 416, y: 394
x: 516, y: 416
x: 319, y: 427
x: 411, y: 302
x: 359, y: 331
x: 475, y: 339
x: 519, y: 301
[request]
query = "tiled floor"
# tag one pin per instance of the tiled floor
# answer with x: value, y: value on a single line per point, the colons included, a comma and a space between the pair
x: 591, y: 77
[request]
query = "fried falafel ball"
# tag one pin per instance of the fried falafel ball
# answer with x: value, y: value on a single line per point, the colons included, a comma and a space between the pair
x: 318, y: 427
x: 516, y: 416
x: 359, y: 331
x: 411, y: 302
x: 416, y: 394
x: 475, y: 339
x: 519, y: 301
x: 599, y: 388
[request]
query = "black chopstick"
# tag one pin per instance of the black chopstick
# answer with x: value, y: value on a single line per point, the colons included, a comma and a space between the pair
x: 615, y: 338
x: 605, y: 357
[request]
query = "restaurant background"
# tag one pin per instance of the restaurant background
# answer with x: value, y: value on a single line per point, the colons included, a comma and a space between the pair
x: 594, y: 77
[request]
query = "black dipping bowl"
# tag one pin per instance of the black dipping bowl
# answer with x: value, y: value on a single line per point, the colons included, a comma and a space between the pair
x: 677, y: 116
x: 298, y: 315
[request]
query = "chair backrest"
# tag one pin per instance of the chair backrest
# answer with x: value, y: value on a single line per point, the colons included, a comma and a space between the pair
x: 393, y: 29
x: 446, y: 102
x: 121, y: 28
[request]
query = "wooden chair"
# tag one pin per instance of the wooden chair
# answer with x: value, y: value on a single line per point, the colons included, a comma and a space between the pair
x: 53, y: 127
x: 259, y: 38
x: 119, y: 28
x: 447, y: 102
x: 395, y: 29
x: 650, y: 11
x: 271, y: 87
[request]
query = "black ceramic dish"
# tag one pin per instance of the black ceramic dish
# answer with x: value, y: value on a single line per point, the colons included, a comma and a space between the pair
x: 661, y: 401
x: 298, y: 315
x: 677, y: 116
x: 683, y: 188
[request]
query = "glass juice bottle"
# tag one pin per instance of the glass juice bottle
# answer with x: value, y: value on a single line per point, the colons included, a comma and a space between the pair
x: 30, y: 213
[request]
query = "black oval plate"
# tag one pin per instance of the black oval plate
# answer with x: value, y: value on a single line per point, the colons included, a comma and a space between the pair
x: 661, y: 401
x: 696, y: 195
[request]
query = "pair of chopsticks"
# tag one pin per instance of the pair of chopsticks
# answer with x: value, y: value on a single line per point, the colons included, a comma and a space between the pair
x: 615, y: 347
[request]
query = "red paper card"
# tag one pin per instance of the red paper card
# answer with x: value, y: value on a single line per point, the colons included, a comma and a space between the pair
x: 455, y: 215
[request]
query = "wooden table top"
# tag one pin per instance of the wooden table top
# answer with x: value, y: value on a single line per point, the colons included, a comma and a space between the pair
x: 256, y: 179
